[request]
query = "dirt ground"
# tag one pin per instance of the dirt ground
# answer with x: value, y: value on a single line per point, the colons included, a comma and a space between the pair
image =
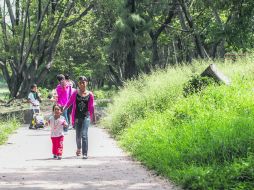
x: 26, y: 163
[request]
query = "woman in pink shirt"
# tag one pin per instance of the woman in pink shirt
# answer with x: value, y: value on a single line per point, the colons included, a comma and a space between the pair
x: 63, y: 93
x: 82, y: 101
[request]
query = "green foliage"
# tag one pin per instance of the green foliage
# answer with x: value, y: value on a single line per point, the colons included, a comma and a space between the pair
x: 4, y: 92
x: 43, y: 92
x: 196, y: 84
x: 44, y: 24
x: 7, y: 128
x: 114, y: 30
x: 237, y: 175
x: 202, y: 141
x: 82, y: 49
x: 145, y: 96
x: 104, y: 93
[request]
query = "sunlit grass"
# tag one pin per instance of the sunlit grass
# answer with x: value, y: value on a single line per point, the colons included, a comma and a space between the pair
x: 4, y: 91
x: 203, y: 141
x: 7, y: 128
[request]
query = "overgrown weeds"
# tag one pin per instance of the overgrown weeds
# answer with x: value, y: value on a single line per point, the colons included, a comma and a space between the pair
x: 201, y: 141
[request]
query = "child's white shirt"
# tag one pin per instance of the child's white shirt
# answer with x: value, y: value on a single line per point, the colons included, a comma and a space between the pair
x: 57, y: 126
x: 34, y: 103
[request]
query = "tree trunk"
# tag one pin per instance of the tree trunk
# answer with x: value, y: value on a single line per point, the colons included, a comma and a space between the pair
x: 221, y: 41
x: 30, y: 57
x: 155, y: 35
x: 17, y: 12
x: 130, y: 67
x: 197, y: 38
x: 213, y: 72
x: 155, y: 54
x: 188, y: 53
x: 115, y: 77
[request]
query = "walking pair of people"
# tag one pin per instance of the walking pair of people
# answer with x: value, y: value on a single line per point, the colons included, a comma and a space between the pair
x: 82, y: 102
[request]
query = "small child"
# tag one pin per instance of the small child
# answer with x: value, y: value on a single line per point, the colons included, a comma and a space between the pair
x: 34, y: 100
x: 57, y: 124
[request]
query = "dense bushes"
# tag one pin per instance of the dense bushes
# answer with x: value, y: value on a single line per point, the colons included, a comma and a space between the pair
x: 202, y: 141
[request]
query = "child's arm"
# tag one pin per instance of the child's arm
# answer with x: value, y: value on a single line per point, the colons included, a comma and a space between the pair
x: 32, y: 102
x: 47, y: 123
x: 65, y: 124
x: 53, y: 96
x: 52, y: 99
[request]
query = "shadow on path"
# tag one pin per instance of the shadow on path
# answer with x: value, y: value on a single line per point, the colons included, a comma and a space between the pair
x: 112, y: 173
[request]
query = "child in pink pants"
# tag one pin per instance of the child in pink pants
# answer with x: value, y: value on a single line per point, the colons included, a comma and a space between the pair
x: 57, y: 124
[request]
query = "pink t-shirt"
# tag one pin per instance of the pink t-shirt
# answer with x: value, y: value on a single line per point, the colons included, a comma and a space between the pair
x: 63, y: 94
x: 57, y: 126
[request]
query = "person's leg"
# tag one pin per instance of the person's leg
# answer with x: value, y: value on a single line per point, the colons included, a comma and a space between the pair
x: 60, y: 146
x: 85, y: 126
x: 69, y: 115
x: 78, y: 127
x: 31, y: 114
x: 36, y: 112
x: 65, y: 114
x: 54, y: 146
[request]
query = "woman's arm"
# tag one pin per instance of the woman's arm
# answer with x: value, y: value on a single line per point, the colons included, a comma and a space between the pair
x: 70, y: 101
x: 91, y: 106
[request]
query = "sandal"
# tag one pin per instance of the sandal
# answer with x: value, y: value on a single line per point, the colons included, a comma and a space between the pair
x: 78, y: 152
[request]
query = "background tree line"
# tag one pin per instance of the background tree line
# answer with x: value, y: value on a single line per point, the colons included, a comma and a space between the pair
x: 115, y: 40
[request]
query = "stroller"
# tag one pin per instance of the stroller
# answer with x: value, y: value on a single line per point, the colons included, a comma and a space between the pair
x: 37, y: 120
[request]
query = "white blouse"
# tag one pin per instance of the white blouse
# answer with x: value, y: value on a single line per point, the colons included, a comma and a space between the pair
x: 57, y: 126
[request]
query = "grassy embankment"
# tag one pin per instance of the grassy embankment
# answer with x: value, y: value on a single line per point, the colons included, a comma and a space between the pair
x: 4, y: 92
x: 6, y: 127
x: 203, y: 141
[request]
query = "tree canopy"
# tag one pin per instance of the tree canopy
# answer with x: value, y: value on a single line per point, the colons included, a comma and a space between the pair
x: 116, y: 40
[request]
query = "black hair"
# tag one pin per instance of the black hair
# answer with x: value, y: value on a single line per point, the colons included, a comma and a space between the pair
x: 82, y: 78
x: 33, y: 85
x: 60, y: 77
x: 61, y: 108
x: 49, y: 96
x: 67, y: 76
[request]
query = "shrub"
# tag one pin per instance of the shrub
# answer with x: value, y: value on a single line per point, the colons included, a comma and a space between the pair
x: 43, y: 92
x: 196, y: 84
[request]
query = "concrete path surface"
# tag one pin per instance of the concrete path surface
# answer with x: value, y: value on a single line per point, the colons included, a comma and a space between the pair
x: 26, y: 163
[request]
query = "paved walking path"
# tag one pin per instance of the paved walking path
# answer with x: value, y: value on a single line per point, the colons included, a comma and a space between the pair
x: 26, y: 163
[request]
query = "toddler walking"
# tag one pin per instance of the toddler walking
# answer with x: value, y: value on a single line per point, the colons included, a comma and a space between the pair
x: 57, y: 124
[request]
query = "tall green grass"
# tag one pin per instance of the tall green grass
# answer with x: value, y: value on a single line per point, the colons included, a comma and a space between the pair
x: 203, y: 141
x: 7, y: 128
x: 150, y: 93
x: 4, y: 91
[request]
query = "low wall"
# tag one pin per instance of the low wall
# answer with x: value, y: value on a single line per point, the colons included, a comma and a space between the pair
x: 21, y: 114
x: 24, y: 114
